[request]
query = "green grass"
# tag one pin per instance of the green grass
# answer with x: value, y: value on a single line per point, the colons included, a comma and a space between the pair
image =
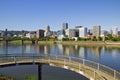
x: 16, y: 42
x: 31, y: 78
x: 5, y: 78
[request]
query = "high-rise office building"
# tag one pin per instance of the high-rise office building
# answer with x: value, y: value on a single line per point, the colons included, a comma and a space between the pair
x: 104, y: 33
x: 6, y: 32
x: 60, y: 34
x: 96, y: 31
x: 83, y: 32
x: 119, y: 33
x: 39, y: 33
x: 47, y: 32
x: 114, y: 31
x: 90, y: 31
x: 70, y: 33
x: 65, y: 26
x: 47, y: 29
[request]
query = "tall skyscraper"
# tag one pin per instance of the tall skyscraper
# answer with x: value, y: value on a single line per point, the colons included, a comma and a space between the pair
x: 114, y: 31
x: 65, y: 26
x: 83, y: 32
x: 39, y: 33
x: 47, y: 29
x: 119, y: 33
x: 96, y: 31
x: 90, y: 31
x: 47, y: 32
x: 6, y: 32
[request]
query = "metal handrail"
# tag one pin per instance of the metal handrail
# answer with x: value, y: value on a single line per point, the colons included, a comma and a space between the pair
x: 89, y: 63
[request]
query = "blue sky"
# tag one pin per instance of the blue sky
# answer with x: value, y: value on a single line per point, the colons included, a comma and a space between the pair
x: 37, y: 14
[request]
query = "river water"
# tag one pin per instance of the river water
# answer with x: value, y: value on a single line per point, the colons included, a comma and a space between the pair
x: 107, y: 55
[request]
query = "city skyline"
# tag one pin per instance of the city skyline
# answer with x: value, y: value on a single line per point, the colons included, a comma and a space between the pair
x: 36, y: 14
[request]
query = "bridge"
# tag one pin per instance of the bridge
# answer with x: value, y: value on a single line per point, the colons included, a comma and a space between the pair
x: 87, y: 68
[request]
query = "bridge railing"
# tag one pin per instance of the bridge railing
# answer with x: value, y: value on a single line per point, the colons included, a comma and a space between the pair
x: 89, y: 63
x: 98, y: 66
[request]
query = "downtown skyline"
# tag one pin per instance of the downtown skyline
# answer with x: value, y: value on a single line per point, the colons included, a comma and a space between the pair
x: 37, y: 14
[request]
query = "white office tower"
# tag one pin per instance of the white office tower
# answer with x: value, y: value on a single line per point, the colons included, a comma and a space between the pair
x: 83, y: 32
x: 114, y: 31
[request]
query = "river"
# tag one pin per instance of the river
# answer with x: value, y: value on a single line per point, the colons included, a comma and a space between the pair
x: 107, y: 55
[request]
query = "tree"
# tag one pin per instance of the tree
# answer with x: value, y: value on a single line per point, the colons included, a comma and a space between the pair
x: 109, y: 37
x: 94, y: 38
x: 118, y: 38
x: 99, y: 39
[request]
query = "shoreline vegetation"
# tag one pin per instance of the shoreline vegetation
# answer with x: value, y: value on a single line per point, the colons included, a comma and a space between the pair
x: 5, y: 78
x: 89, y: 43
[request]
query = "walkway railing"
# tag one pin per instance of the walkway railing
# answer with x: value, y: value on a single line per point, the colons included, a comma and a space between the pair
x: 9, y: 58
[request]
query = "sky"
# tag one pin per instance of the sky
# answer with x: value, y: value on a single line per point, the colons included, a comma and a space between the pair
x: 37, y: 14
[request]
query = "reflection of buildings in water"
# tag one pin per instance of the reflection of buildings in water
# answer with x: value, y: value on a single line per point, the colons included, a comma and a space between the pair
x: 103, y: 49
x: 83, y: 52
x: 66, y: 51
x: 23, y: 49
x: 43, y: 49
x: 69, y: 50
x: 27, y: 48
x: 1, y: 44
x: 37, y: 48
x: 47, y: 49
x: 5, y: 49
x: 40, y: 49
x: 96, y: 51
x: 56, y: 49
x: 75, y: 51
x: 60, y: 47
x: 76, y: 47
x: 114, y: 53
x: 72, y: 49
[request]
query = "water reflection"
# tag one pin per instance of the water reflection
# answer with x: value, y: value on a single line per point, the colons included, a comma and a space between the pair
x: 46, y: 49
x: 40, y: 49
x: 32, y: 72
x: 83, y: 52
x: 106, y: 55
x: 96, y: 50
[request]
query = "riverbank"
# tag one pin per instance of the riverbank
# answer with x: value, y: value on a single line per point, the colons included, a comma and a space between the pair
x: 84, y: 43
x: 80, y: 42
x: 5, y: 78
x: 100, y: 43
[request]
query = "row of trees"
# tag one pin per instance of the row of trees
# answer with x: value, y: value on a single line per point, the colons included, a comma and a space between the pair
x: 111, y: 38
x: 107, y: 38
x: 25, y: 38
x: 82, y: 39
